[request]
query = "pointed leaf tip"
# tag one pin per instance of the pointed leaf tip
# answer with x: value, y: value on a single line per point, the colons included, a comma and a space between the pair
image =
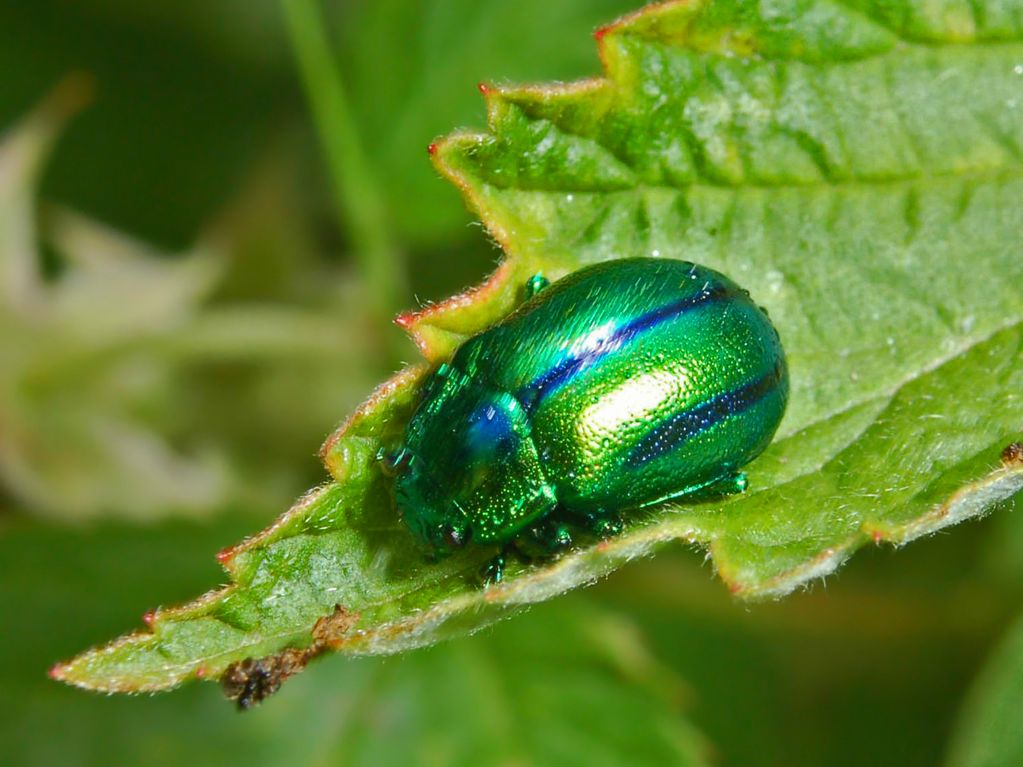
x: 226, y: 554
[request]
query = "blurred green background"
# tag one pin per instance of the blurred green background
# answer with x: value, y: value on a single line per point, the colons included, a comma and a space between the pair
x: 194, y: 296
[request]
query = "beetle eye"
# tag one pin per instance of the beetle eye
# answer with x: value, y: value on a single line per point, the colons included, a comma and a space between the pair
x: 455, y: 538
x: 394, y: 463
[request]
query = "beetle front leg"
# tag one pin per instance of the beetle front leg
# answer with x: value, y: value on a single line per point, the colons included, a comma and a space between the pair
x: 492, y: 572
x: 730, y: 484
x: 545, y: 539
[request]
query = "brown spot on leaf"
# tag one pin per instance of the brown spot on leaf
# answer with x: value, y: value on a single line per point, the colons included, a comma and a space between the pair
x: 330, y: 630
x: 1012, y: 455
x: 253, y: 680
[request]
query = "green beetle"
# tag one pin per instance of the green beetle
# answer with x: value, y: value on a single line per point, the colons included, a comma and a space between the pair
x: 623, y: 385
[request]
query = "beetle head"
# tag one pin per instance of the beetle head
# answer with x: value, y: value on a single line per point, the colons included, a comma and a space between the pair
x: 468, y: 469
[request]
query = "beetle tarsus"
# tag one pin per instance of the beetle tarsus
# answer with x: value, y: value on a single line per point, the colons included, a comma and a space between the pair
x: 545, y: 539
x: 733, y: 484
x: 492, y: 572
x: 535, y: 284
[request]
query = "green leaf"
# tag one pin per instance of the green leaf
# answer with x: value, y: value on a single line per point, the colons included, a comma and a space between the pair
x: 59, y: 449
x: 988, y: 733
x: 568, y: 684
x: 166, y: 145
x: 857, y: 169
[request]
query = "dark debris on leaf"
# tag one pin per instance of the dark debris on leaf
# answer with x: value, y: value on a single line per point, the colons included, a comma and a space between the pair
x: 251, y: 681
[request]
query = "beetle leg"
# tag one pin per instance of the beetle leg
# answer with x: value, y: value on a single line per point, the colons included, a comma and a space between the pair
x: 545, y: 539
x: 731, y: 484
x: 493, y: 571
x: 737, y: 483
x: 535, y: 284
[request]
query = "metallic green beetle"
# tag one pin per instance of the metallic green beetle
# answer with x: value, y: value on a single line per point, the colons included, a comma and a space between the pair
x: 621, y: 386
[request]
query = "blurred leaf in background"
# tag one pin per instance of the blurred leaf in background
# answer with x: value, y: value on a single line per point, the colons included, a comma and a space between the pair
x: 70, y: 381
x: 186, y: 98
x: 114, y: 358
x: 436, y: 53
x: 989, y: 734
x: 192, y: 96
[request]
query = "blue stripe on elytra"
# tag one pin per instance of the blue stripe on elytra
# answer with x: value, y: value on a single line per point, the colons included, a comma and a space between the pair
x: 676, y: 430
x: 541, y: 387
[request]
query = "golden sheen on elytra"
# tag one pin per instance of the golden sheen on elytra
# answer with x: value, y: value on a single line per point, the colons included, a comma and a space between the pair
x: 624, y: 385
